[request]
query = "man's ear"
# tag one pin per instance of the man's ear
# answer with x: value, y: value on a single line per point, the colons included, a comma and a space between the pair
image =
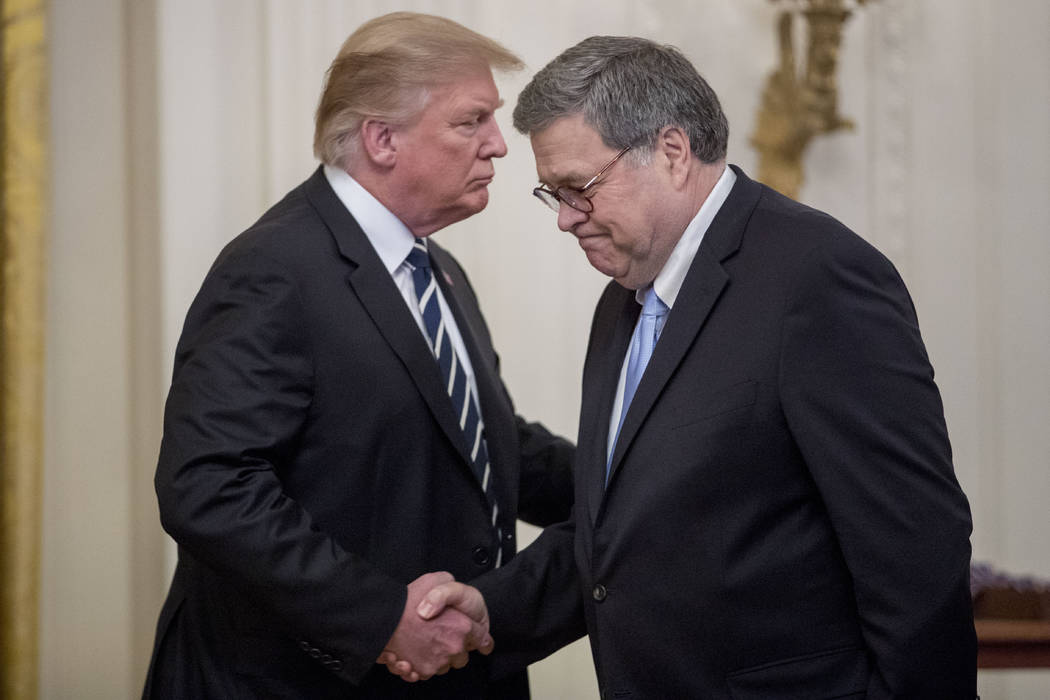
x: 379, y: 142
x: 672, y: 144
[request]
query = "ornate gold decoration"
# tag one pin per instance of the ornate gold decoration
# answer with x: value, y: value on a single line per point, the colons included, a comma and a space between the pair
x: 23, y: 125
x: 797, y: 105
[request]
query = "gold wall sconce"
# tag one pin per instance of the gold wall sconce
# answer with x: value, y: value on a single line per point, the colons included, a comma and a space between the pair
x: 800, y: 102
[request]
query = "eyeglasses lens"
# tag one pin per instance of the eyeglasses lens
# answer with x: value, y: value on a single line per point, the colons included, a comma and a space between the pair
x: 574, y: 199
x: 547, y: 198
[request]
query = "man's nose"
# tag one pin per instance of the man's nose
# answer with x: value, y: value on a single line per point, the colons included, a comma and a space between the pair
x: 569, y: 217
x: 494, y: 145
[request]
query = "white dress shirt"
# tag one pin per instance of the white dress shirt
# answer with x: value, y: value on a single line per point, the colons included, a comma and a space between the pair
x: 670, y: 278
x: 393, y: 241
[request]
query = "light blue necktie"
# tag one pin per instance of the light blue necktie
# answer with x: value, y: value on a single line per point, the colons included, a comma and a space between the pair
x: 646, y: 333
x: 455, y: 379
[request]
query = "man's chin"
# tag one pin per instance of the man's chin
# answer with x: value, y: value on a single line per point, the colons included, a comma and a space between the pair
x: 464, y: 209
x: 600, y: 262
x: 474, y: 201
x: 603, y: 265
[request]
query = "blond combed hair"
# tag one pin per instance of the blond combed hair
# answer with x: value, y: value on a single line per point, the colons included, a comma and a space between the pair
x: 384, y: 71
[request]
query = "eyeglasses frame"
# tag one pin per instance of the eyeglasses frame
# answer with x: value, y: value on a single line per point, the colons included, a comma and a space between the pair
x: 558, y: 198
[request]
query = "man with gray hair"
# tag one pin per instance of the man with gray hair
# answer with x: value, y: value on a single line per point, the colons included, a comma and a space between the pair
x: 336, y: 426
x: 766, y: 505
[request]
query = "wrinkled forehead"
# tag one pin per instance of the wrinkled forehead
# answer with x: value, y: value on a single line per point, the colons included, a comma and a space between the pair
x: 473, y: 91
x: 568, y: 152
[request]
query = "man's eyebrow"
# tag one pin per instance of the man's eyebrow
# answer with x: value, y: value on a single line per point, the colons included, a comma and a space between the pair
x: 486, y: 106
x: 569, y: 178
x: 479, y: 108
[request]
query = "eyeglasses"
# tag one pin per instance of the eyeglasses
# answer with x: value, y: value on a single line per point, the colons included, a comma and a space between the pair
x: 577, y: 198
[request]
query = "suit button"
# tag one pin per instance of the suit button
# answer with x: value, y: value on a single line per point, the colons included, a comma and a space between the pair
x: 335, y: 665
x: 599, y: 593
x: 480, y: 556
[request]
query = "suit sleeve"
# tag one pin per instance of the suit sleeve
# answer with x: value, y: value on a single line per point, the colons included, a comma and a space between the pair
x: 546, y: 485
x: 240, y: 394
x: 534, y: 601
x: 860, y: 400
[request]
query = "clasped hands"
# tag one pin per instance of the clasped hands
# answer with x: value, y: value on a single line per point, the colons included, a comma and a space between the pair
x: 443, y: 622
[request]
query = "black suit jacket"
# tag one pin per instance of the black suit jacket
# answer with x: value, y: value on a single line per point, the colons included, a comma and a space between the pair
x: 312, y: 465
x: 782, y: 518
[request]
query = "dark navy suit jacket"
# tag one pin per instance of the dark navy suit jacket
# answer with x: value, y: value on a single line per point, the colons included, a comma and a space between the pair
x: 782, y: 518
x: 312, y: 465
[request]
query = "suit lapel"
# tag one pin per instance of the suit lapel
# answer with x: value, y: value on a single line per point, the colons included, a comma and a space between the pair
x: 382, y: 300
x: 612, y: 335
x: 697, y: 297
x: 701, y: 289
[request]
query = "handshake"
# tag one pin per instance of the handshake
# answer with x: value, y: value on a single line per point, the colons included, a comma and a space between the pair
x: 442, y: 623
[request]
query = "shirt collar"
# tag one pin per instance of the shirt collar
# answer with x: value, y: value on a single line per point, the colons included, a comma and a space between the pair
x: 669, y: 281
x: 388, y: 235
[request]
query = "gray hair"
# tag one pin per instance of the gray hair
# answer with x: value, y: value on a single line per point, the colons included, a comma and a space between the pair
x: 628, y: 89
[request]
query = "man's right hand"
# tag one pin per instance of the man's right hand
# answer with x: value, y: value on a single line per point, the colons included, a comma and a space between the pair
x: 424, y: 645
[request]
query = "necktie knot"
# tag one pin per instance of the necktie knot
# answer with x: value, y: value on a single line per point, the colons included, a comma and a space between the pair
x: 418, y: 257
x: 653, y: 305
x: 654, y: 313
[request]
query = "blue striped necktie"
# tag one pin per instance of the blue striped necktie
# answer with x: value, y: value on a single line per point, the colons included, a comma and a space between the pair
x: 455, y: 379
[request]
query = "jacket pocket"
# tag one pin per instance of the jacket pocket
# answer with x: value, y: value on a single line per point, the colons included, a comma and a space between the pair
x: 836, y: 673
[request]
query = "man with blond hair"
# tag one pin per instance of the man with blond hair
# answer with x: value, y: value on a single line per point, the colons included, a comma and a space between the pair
x: 336, y: 425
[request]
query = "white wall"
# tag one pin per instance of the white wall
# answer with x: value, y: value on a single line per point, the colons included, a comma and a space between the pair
x: 176, y: 122
x: 86, y: 557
